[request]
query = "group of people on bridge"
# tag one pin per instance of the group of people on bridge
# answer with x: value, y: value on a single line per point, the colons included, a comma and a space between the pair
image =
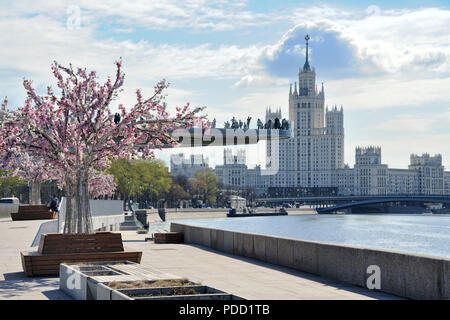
x: 235, y: 124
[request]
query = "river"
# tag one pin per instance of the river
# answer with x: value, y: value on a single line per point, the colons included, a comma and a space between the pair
x: 421, y: 234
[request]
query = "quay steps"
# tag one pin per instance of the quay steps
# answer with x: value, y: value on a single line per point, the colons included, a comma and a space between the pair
x: 130, y: 223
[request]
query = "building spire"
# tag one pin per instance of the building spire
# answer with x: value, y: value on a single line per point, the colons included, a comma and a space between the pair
x: 306, y: 66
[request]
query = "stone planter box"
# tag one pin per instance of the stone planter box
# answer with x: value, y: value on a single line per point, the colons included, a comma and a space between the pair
x: 89, y: 281
x: 168, y: 237
x: 77, y: 280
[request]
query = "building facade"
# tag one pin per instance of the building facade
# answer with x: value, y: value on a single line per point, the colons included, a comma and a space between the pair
x: 430, y: 172
x: 179, y: 165
x: 234, y: 171
x: 313, y: 159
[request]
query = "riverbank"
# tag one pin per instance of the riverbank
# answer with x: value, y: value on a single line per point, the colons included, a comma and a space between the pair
x: 403, y: 274
x: 181, y: 214
x: 241, y: 276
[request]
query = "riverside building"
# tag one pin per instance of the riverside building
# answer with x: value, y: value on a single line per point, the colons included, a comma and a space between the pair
x: 312, y: 161
x: 179, y: 165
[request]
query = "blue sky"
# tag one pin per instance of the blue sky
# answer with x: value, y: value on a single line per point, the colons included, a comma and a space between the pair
x: 386, y: 62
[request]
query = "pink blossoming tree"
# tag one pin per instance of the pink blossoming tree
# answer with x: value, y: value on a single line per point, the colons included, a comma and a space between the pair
x: 77, y: 135
x: 32, y: 169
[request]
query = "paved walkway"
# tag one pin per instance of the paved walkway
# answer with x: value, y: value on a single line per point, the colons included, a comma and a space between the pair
x: 16, y: 236
x: 244, y: 277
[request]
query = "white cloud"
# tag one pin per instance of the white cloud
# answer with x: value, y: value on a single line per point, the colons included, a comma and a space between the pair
x: 402, y: 50
x: 123, y: 30
x: 261, y: 80
x: 161, y: 15
x: 387, y: 91
x: 33, y: 43
x: 406, y: 123
x: 396, y: 40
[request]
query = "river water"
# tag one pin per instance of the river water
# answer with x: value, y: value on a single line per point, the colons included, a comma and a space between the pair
x: 422, y: 234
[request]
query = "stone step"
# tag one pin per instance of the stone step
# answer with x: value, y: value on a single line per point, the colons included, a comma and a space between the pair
x: 125, y: 228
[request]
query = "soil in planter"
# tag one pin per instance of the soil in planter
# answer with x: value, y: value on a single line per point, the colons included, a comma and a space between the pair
x: 92, y: 269
x: 101, y: 273
x: 98, y: 264
x: 151, y: 284
x: 172, y: 292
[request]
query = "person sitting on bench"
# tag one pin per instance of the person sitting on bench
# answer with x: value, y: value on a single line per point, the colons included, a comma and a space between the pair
x: 54, y: 205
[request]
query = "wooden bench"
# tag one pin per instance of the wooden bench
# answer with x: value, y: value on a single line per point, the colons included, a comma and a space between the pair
x: 34, y: 212
x: 57, y: 248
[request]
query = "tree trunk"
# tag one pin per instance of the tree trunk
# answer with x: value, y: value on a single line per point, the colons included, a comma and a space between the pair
x: 69, y: 226
x: 35, y: 187
x: 78, y: 212
x: 87, y: 217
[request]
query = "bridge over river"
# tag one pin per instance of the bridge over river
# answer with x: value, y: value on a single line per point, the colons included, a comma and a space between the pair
x: 333, y: 204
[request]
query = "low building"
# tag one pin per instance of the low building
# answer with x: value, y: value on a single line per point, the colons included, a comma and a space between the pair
x: 370, y: 174
x: 447, y: 182
x: 431, y: 173
x: 179, y: 165
x: 233, y: 172
x: 403, y: 181
x: 425, y: 175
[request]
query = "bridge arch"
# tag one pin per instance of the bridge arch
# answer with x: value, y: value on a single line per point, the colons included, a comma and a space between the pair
x: 431, y: 199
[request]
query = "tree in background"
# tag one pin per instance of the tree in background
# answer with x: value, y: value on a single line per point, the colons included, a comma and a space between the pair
x: 198, y: 191
x: 126, y: 179
x: 147, y: 180
x: 34, y: 170
x: 182, y: 181
x: 179, y: 190
x: 11, y: 185
x: 223, y: 194
x: 29, y: 168
x: 207, y: 181
x: 177, y: 194
x: 155, y: 178
x: 77, y: 134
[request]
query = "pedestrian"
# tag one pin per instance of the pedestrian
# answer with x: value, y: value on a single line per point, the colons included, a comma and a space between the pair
x: 54, y: 205
x: 260, y: 124
x: 276, y: 124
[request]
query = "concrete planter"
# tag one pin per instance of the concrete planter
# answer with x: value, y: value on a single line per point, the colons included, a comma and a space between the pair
x: 75, y: 281
x: 103, y: 292
x: 89, y: 281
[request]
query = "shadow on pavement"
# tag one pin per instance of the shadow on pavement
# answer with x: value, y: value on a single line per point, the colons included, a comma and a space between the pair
x: 326, y: 282
x: 18, y: 285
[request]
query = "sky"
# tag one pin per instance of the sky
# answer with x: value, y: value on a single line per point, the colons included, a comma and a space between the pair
x: 386, y: 62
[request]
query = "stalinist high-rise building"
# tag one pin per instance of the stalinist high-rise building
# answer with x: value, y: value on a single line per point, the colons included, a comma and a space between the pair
x: 311, y: 163
x: 311, y: 157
